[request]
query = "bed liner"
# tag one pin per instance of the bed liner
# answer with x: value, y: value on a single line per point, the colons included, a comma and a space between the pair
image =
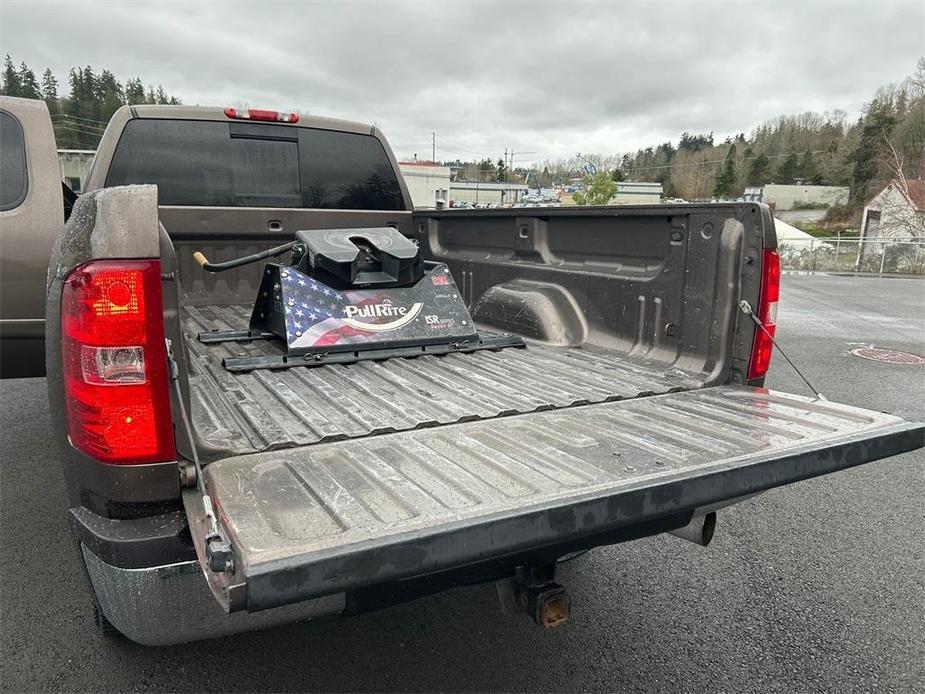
x: 240, y: 413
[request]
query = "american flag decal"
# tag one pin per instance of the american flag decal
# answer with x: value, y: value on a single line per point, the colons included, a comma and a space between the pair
x: 319, y: 318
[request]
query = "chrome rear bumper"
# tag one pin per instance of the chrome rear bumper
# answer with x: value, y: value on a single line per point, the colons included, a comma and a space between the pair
x: 172, y: 604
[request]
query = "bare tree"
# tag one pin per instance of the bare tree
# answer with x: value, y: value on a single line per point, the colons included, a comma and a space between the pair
x: 917, y: 80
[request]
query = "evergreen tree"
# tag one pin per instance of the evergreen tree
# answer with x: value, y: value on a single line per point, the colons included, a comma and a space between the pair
x: 80, y: 116
x: 726, y: 180
x: 82, y: 110
x: 809, y: 171
x: 502, y: 169
x: 50, y: 91
x: 666, y: 150
x: 90, y: 106
x: 134, y: 91
x: 788, y: 170
x: 695, y: 143
x: 28, y: 85
x: 748, y: 155
x: 109, y: 95
x: 75, y: 80
x: 70, y: 138
x: 759, y: 171
x: 876, y: 126
x: 10, y: 85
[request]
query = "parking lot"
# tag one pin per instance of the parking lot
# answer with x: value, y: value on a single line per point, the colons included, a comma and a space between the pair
x: 801, y: 589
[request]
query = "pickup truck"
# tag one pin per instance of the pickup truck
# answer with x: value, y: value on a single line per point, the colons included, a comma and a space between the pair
x: 205, y: 501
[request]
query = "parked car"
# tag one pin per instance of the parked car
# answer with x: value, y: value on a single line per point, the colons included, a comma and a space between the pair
x: 206, y: 501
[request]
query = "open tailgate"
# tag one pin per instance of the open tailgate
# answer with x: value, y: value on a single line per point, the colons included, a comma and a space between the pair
x: 331, y: 517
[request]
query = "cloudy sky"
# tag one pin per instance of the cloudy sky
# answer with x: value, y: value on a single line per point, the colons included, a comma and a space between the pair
x: 553, y: 79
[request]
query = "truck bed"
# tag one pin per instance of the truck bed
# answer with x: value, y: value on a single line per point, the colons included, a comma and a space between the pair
x: 239, y: 413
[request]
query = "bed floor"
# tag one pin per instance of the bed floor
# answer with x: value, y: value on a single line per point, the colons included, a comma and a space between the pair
x: 240, y: 413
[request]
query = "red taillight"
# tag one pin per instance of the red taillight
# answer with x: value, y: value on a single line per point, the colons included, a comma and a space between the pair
x: 767, y: 314
x: 262, y: 115
x: 116, y: 376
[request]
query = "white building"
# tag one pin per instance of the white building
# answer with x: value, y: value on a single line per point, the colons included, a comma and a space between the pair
x: 480, y: 192
x: 897, y: 212
x: 428, y: 183
x: 75, y: 165
x: 782, y: 197
x: 638, y: 193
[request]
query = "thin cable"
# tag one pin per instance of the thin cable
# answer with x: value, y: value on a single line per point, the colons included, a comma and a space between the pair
x: 78, y: 128
x: 73, y: 117
x: 747, y: 310
x: 215, y: 533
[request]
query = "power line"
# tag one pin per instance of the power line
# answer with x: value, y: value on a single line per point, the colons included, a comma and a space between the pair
x: 82, y: 121
x: 408, y: 138
x: 458, y: 143
x: 68, y: 121
x: 73, y: 129
x: 69, y: 115
x: 57, y: 121
x: 71, y: 124
x: 89, y: 133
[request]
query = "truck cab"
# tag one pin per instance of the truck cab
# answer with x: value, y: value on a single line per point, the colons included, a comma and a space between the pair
x: 32, y: 213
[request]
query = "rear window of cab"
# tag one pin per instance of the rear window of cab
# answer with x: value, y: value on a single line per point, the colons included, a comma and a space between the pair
x: 234, y: 164
x: 14, y: 178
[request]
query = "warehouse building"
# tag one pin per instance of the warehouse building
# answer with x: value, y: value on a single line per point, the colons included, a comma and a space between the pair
x: 782, y: 197
x: 428, y: 183
x: 480, y: 192
x: 638, y: 193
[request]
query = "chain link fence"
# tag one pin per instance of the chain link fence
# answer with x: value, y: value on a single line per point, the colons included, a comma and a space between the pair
x: 878, y: 257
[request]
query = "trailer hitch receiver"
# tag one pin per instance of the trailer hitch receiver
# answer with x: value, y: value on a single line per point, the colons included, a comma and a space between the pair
x: 550, y: 606
x: 545, y: 601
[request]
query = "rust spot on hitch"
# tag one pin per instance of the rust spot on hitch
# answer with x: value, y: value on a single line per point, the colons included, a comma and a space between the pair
x: 548, y: 605
x: 555, y: 607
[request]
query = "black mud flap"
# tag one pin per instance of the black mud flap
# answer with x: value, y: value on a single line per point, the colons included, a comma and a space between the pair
x: 333, y: 517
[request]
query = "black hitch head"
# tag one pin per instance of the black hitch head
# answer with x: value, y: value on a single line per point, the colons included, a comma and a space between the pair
x: 345, y: 258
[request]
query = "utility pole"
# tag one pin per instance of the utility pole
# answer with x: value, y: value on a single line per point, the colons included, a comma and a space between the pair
x: 433, y: 148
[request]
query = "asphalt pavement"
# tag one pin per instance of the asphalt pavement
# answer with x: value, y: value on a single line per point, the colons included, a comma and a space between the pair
x: 816, y: 586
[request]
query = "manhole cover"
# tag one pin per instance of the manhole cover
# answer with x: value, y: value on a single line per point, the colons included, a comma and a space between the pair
x: 890, y: 356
